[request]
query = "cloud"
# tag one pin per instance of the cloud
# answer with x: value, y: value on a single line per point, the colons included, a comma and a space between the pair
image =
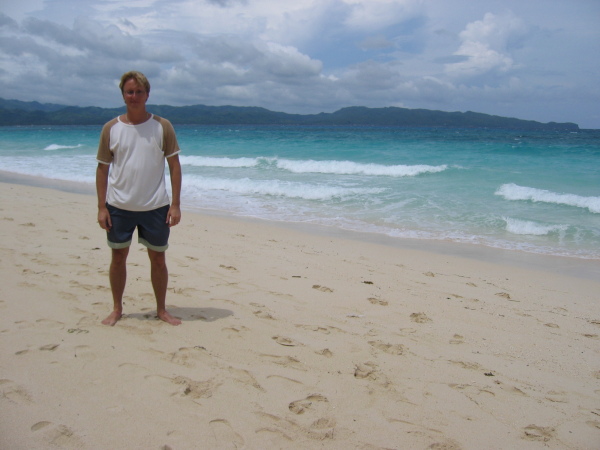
x: 535, y: 60
x: 371, y: 16
x: 225, y: 3
x: 486, y: 45
x: 376, y: 43
x: 7, y: 22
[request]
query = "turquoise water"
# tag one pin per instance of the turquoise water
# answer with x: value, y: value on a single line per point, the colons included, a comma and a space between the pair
x: 532, y: 191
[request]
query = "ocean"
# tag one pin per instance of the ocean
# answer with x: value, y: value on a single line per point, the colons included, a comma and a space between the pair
x: 527, y: 191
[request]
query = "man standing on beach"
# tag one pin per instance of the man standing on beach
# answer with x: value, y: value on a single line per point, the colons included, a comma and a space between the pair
x: 130, y: 183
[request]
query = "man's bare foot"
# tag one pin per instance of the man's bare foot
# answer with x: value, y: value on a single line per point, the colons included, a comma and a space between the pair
x: 166, y: 317
x: 112, y: 318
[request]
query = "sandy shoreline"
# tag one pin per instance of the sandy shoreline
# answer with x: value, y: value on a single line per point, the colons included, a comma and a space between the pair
x: 576, y: 267
x: 290, y: 340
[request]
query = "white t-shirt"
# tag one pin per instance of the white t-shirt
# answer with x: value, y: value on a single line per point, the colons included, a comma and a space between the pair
x: 136, y: 181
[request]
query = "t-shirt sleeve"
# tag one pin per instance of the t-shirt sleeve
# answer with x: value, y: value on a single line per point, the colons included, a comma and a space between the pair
x: 105, y: 156
x: 170, y: 144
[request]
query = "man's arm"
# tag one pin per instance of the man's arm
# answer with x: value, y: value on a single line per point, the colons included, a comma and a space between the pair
x: 174, y: 215
x: 101, y: 188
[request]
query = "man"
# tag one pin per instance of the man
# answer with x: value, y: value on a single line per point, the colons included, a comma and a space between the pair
x: 130, y: 183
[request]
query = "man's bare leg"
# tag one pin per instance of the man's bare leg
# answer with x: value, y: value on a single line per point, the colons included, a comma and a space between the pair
x: 160, y: 280
x: 118, y: 278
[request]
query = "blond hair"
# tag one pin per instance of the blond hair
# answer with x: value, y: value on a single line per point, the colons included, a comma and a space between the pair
x: 139, y: 78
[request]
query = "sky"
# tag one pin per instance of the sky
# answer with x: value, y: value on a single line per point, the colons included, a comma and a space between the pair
x: 529, y: 59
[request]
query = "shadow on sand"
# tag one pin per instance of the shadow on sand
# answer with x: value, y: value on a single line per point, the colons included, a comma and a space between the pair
x: 187, y: 314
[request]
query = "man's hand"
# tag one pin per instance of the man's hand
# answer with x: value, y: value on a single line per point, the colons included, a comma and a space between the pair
x: 173, y: 216
x: 104, y: 218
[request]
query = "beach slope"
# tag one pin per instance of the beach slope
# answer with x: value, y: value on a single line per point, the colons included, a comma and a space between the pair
x: 289, y: 340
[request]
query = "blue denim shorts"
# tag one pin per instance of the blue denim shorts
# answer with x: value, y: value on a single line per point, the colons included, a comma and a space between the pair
x: 153, y: 230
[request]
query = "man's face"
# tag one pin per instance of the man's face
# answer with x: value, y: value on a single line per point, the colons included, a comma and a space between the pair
x: 135, y: 96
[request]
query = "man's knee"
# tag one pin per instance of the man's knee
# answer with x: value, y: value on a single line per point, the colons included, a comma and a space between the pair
x: 157, y: 259
x: 119, y: 256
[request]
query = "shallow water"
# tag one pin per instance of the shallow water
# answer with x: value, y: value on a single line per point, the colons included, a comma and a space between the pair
x: 537, y: 192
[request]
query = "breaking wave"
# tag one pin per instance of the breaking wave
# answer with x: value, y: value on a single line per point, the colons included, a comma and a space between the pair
x: 53, y: 147
x: 513, y: 191
x: 312, y: 166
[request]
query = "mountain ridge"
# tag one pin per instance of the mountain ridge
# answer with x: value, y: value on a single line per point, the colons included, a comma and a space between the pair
x: 16, y: 112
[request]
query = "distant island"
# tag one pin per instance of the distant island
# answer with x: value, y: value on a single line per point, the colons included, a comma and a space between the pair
x: 15, y: 112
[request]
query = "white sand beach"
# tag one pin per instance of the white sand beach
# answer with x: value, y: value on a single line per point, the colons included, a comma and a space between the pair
x: 290, y: 339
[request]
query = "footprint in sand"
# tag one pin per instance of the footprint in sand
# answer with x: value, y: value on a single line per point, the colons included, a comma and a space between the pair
x: 322, y: 424
x: 457, y: 339
x: 14, y: 392
x: 286, y: 361
x: 378, y: 301
x: 467, y: 365
x: 287, y: 431
x: 284, y: 379
x: 235, y: 332
x: 301, y: 406
x: 190, y: 356
x: 273, y: 429
x: 263, y: 314
x: 224, y: 435
x: 68, y: 296
x: 57, y: 435
x: 318, y: 287
x: 325, y: 352
x: 366, y: 370
x: 314, y: 405
x: 506, y: 295
x: 419, y: 317
x: 510, y: 389
x: 285, y: 341
x: 392, y: 349
x: 471, y: 392
x: 446, y: 444
x: 186, y: 292
x: 557, y: 397
x: 536, y: 433
x: 49, y: 347
x: 133, y: 370
x: 245, y: 377
x: 38, y: 426
x: 77, y: 331
x: 324, y: 330
x: 594, y: 424
x: 196, y: 389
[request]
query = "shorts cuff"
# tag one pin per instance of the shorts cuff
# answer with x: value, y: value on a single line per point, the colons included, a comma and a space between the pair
x: 156, y: 248
x: 118, y: 245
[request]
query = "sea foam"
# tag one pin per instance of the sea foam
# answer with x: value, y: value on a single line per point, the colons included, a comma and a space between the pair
x: 313, y: 166
x: 353, y: 168
x: 513, y: 191
x: 278, y: 188
x: 205, y: 161
x: 53, y: 147
x: 527, y: 227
